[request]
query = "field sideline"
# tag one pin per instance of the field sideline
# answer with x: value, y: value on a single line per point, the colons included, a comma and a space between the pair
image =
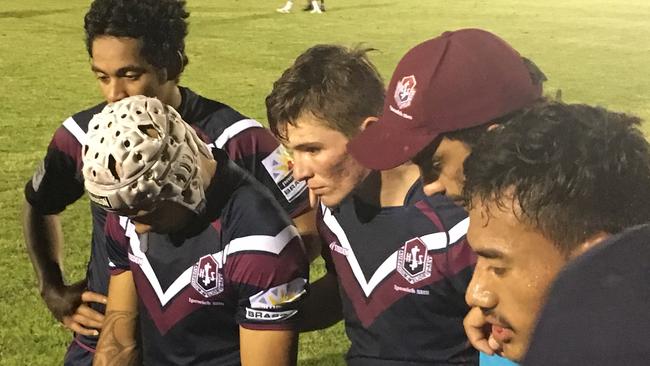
x: 594, y: 51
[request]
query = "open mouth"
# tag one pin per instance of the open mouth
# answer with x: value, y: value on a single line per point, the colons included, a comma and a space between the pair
x: 502, y: 334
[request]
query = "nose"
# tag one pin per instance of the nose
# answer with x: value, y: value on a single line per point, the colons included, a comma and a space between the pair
x: 478, y: 292
x: 115, y: 91
x: 435, y: 187
x: 301, y: 169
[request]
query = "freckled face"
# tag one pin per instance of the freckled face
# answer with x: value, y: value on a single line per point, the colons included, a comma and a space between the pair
x: 321, y: 159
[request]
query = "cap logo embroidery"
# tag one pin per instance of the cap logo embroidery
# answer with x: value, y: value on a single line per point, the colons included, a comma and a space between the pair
x: 405, y: 91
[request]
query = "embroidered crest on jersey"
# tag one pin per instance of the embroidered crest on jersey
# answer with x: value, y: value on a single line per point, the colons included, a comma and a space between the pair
x: 405, y: 91
x: 413, y: 261
x: 278, y: 296
x: 279, y: 165
x: 206, y: 278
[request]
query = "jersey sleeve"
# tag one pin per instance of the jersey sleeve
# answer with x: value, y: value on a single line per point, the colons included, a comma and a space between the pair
x: 256, y: 150
x: 117, y: 244
x: 57, y: 182
x: 266, y: 265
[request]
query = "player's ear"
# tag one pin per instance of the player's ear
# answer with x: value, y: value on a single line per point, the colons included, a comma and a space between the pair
x: 367, y: 122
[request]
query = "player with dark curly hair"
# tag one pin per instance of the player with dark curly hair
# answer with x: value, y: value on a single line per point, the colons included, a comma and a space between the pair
x: 541, y: 189
x: 135, y: 47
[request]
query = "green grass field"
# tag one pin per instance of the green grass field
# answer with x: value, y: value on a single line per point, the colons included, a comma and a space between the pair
x: 595, y: 51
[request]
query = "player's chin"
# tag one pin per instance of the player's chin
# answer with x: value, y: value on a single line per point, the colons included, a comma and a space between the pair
x: 330, y: 199
x: 513, y: 350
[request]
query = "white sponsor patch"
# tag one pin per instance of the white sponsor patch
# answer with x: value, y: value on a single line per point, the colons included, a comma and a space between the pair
x: 133, y: 258
x: 278, y: 296
x: 337, y: 248
x: 37, y: 178
x: 279, y: 165
x: 269, y: 315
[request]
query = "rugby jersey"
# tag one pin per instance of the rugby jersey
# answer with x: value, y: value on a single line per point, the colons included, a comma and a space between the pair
x: 58, y: 181
x: 402, y: 274
x: 240, y: 263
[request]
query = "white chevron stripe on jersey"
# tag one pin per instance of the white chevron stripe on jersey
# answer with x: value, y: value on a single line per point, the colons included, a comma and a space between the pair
x: 433, y: 241
x: 458, y: 231
x: 71, y: 125
x: 233, y: 130
x: 261, y: 243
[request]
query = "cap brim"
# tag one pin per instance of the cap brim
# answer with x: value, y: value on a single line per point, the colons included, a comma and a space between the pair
x: 384, y: 145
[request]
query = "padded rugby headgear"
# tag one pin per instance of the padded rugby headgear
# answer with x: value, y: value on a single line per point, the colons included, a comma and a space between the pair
x: 140, y: 152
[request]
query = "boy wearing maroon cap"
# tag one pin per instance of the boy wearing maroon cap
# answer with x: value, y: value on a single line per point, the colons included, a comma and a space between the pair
x: 443, y: 95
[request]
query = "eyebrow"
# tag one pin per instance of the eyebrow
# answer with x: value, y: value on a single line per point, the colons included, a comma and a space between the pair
x: 121, y: 71
x: 490, y: 253
x: 305, y: 145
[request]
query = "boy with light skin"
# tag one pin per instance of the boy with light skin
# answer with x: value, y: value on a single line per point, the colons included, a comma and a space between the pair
x: 396, y: 260
x: 208, y: 268
x: 542, y: 189
x: 135, y: 47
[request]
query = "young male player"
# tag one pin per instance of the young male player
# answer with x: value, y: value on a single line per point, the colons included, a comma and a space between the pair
x: 135, y: 47
x: 541, y: 190
x: 397, y: 262
x: 208, y: 258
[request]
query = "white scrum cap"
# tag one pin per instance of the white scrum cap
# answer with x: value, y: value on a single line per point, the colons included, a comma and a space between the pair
x: 140, y: 152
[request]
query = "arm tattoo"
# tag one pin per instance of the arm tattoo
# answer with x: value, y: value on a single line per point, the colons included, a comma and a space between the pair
x: 117, y: 342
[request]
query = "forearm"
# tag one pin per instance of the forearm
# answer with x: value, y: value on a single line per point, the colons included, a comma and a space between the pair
x: 117, y: 343
x: 322, y: 308
x: 44, y: 242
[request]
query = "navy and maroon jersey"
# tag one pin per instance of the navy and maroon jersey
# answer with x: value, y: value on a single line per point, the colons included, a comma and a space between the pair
x: 241, y: 263
x: 402, y: 274
x: 58, y: 182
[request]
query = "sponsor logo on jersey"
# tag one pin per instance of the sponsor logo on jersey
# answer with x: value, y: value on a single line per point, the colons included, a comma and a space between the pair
x: 269, y: 315
x: 204, y: 302
x: 100, y: 200
x: 278, y: 296
x: 413, y: 261
x: 405, y: 91
x: 206, y: 278
x: 279, y: 165
x: 337, y: 248
x: 133, y: 258
x: 37, y: 178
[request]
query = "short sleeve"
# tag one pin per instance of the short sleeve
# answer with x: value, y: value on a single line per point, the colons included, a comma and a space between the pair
x: 266, y: 266
x: 256, y: 150
x: 57, y: 182
x: 117, y: 244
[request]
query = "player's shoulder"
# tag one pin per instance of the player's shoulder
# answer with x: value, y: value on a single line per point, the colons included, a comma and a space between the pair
x: 210, y: 116
x: 82, y: 118
x: 253, y: 206
x: 439, y: 206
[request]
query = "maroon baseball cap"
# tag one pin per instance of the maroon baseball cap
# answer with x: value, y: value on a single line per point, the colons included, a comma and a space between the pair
x: 458, y: 80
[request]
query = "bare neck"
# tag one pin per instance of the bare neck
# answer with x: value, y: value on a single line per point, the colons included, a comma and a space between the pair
x: 395, y: 184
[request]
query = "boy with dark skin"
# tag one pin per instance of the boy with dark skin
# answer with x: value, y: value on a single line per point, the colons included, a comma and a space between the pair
x: 135, y: 47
